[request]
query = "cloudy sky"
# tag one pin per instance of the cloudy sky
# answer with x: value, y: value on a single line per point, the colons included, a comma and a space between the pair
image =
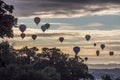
x: 70, y: 14
x: 72, y: 19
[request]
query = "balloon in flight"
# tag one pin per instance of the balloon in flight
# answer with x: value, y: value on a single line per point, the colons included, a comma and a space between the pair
x: 34, y: 36
x: 94, y: 44
x: 86, y: 58
x: 61, y: 39
x: 87, y: 37
x: 76, y: 50
x: 111, y: 53
x: 22, y: 35
x: 102, y: 46
x: 43, y: 28
x: 37, y: 20
x: 22, y: 27
x: 97, y: 52
x: 47, y: 25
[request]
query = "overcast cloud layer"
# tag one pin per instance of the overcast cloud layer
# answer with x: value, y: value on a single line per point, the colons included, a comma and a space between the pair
x: 65, y: 8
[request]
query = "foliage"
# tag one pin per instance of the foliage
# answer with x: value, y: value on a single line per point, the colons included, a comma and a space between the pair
x: 49, y: 73
x: 26, y: 63
x: 106, y: 77
x: 7, y: 21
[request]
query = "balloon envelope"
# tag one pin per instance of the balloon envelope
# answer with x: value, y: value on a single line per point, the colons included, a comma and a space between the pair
x: 22, y: 35
x: 94, y: 44
x: 86, y: 58
x: 61, y: 39
x: 111, y: 53
x: 102, y: 46
x: 76, y: 49
x: 37, y: 20
x: 34, y: 36
x: 47, y: 25
x: 43, y: 28
x: 97, y: 52
x: 87, y: 37
x: 22, y: 27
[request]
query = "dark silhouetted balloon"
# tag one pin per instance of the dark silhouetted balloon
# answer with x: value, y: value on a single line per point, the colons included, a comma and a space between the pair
x: 97, y: 52
x: 43, y: 28
x: 102, y: 46
x: 37, y: 20
x: 22, y: 35
x: 87, y: 37
x: 111, y: 53
x: 34, y: 36
x: 76, y: 49
x: 86, y: 58
x: 94, y: 44
x: 47, y: 25
x: 61, y: 39
x: 22, y: 27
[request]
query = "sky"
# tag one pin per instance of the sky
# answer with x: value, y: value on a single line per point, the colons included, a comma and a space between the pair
x: 72, y: 19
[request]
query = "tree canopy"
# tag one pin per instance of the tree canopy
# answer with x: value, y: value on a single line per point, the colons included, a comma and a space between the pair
x: 51, y: 64
x: 7, y: 20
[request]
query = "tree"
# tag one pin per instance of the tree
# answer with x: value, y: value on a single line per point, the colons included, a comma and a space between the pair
x: 106, y: 77
x: 7, y: 21
x: 7, y: 53
x: 70, y: 68
x: 49, y: 73
x: 26, y: 55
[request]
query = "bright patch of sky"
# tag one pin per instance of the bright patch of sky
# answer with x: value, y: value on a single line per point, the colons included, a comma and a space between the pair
x: 81, y: 23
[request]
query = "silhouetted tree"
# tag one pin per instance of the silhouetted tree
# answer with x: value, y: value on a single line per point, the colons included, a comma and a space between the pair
x: 106, y: 77
x: 7, y: 53
x: 26, y: 55
x: 117, y: 79
x: 49, y: 73
x: 7, y: 21
x: 70, y: 68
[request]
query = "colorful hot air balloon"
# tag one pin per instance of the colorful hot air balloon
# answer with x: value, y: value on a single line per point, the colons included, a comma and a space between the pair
x: 43, y: 28
x: 86, y: 58
x: 87, y: 37
x: 94, y: 44
x: 102, y: 46
x: 22, y: 35
x: 97, y: 52
x: 37, y: 20
x: 22, y: 27
x: 111, y: 53
x: 76, y: 49
x: 61, y: 39
x: 47, y: 25
x: 34, y: 36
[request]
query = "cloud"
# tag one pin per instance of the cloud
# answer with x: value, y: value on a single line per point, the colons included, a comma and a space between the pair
x: 96, y: 24
x: 65, y: 8
x: 66, y: 28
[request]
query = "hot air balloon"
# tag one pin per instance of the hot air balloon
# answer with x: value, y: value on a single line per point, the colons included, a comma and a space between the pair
x: 37, y: 20
x: 94, y: 44
x: 97, y: 52
x: 61, y: 39
x: 102, y: 46
x: 47, y: 25
x: 87, y: 37
x: 43, y: 28
x: 111, y: 53
x: 76, y: 49
x: 86, y: 58
x: 22, y: 35
x: 22, y: 27
x: 34, y: 36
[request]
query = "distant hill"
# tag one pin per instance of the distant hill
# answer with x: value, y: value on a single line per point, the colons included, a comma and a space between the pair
x: 104, y: 66
x: 97, y: 73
